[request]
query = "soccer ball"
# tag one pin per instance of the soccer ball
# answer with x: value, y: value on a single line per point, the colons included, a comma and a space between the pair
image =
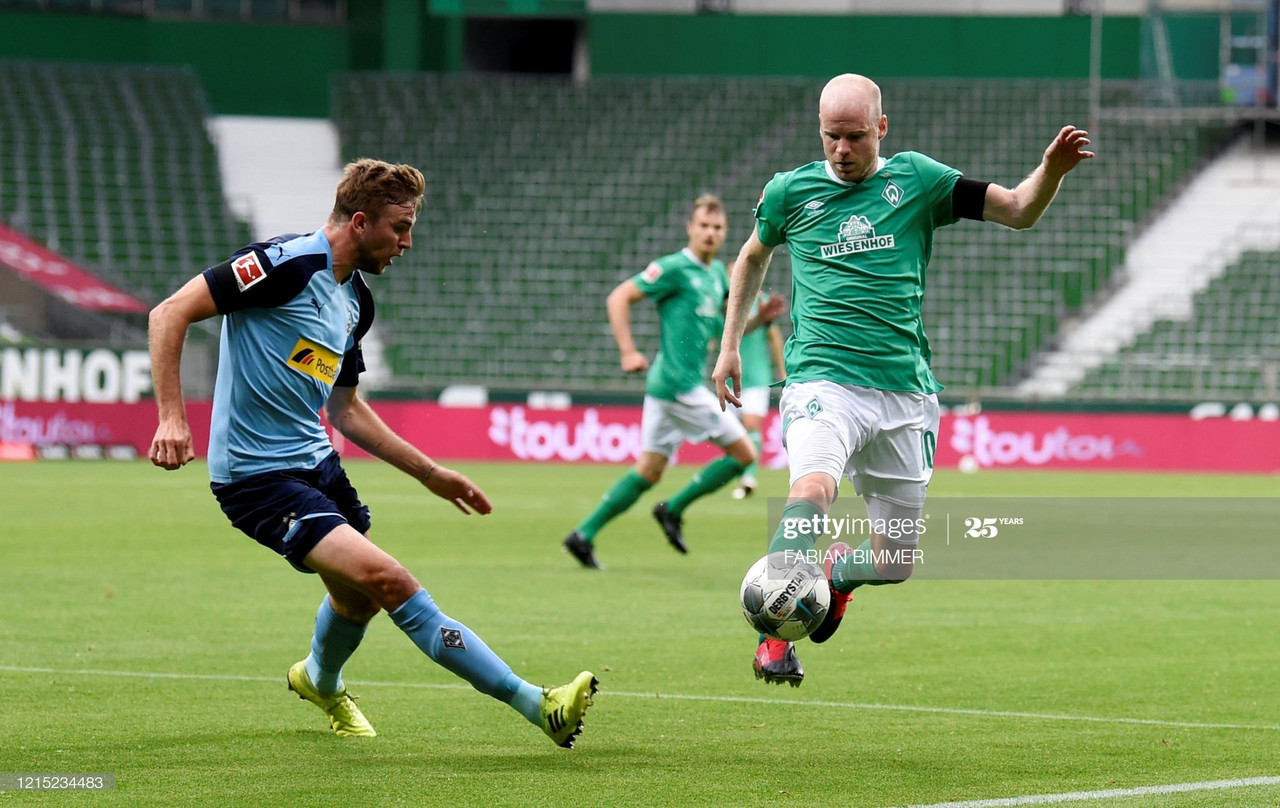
x: 785, y: 596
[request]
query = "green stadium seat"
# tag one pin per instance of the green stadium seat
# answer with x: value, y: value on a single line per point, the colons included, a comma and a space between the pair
x: 534, y: 213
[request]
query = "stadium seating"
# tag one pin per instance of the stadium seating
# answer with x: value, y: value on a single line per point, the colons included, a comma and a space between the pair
x: 1228, y: 348
x: 544, y: 193
x: 112, y: 167
x: 321, y: 11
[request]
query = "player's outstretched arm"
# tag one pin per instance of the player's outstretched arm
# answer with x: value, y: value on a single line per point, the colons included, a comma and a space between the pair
x: 618, y: 304
x: 167, y: 326
x: 744, y: 286
x: 358, y: 423
x: 1022, y: 206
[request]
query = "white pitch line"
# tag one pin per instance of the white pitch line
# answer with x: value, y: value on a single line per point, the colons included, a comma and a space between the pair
x: 1082, y: 796
x: 909, y: 708
x: 954, y: 711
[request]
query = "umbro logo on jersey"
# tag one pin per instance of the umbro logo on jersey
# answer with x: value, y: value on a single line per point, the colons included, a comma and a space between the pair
x: 314, y: 360
x: 857, y: 236
x: 814, y: 206
x: 892, y: 194
x: 248, y: 270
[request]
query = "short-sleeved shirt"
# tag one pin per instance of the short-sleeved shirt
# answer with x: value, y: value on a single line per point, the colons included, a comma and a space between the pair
x: 690, y: 297
x: 757, y: 361
x: 858, y: 258
x: 290, y: 333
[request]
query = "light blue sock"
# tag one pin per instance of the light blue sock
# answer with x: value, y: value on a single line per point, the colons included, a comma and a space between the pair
x: 457, y: 648
x: 333, y: 643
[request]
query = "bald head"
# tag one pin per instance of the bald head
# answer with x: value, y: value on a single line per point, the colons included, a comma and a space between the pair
x: 849, y: 94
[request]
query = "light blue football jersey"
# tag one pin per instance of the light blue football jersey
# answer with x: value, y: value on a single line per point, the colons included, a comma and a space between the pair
x: 290, y: 333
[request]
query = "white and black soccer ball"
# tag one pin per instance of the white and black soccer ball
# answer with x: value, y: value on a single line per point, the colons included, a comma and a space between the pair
x: 785, y: 596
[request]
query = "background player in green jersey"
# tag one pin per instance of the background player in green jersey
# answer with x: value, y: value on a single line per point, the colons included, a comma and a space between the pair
x: 761, y: 352
x: 860, y: 400
x: 689, y: 288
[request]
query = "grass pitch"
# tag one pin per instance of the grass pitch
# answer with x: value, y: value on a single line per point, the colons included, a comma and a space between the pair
x: 141, y: 635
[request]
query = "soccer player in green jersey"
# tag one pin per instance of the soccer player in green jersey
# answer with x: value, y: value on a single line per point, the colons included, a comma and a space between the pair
x: 860, y: 399
x: 689, y: 288
x: 761, y: 352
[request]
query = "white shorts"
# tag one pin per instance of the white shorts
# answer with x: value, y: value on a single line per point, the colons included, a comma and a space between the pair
x: 694, y: 416
x: 755, y: 401
x: 883, y: 441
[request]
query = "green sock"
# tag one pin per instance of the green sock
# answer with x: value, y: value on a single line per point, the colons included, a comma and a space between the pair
x: 789, y: 536
x: 617, y: 499
x: 799, y: 537
x: 712, y: 476
x: 750, y: 471
x: 849, y: 573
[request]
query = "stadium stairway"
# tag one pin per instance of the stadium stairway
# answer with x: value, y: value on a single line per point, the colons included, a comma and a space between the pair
x: 1232, y: 206
x: 280, y: 173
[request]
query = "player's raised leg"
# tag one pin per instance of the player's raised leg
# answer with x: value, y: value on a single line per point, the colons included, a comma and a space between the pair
x: 818, y: 451
x: 352, y: 558
x: 893, y: 476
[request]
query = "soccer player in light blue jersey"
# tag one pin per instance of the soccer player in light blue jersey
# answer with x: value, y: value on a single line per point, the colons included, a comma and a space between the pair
x: 294, y: 311
x: 861, y: 400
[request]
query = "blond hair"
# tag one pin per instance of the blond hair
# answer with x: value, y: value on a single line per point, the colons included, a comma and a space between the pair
x: 371, y: 186
x: 710, y: 202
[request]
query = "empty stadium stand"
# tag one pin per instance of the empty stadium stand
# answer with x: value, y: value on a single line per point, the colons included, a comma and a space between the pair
x: 112, y: 167
x: 1228, y: 348
x: 544, y: 193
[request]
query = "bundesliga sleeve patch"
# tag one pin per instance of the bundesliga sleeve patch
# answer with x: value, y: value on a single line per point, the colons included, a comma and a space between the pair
x: 652, y: 273
x: 247, y: 270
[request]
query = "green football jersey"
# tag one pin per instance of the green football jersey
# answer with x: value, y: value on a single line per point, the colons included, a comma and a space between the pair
x: 858, y: 260
x: 757, y: 364
x: 690, y: 297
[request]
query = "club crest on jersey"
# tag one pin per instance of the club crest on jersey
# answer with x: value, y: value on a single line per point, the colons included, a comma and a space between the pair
x: 857, y: 236
x: 314, y: 360
x: 248, y: 270
x: 892, y: 194
x: 452, y: 638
